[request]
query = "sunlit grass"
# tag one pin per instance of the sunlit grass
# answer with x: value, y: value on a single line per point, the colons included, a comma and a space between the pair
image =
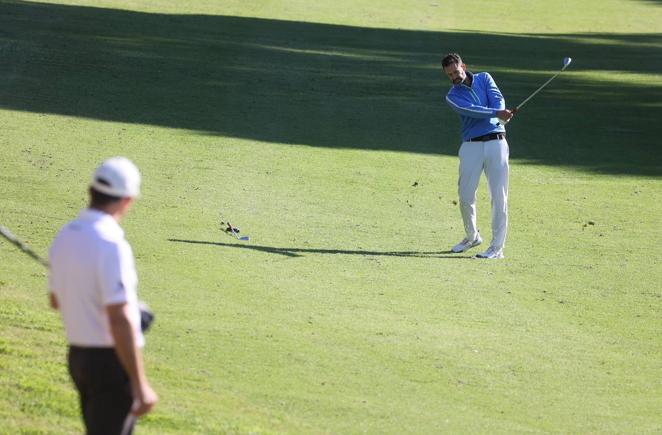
x: 332, y: 148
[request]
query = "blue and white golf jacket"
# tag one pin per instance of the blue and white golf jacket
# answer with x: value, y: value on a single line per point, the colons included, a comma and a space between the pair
x: 477, y: 105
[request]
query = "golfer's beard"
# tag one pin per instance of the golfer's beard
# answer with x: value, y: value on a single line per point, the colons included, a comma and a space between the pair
x: 458, y: 81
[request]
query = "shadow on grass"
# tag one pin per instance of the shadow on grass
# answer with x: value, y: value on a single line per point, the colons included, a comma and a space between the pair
x: 298, y: 252
x: 655, y: 2
x: 329, y: 85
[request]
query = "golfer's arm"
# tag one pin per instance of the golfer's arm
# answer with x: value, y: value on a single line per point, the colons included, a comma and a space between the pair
x: 125, y: 343
x: 470, y: 110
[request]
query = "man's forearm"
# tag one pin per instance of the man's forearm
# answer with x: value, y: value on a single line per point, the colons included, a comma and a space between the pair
x: 130, y: 356
x: 125, y: 345
x: 471, y: 110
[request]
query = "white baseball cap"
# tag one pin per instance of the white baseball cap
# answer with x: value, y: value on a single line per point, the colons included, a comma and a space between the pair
x: 117, y: 176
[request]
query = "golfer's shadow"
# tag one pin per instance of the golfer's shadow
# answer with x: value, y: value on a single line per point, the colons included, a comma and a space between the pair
x: 299, y: 252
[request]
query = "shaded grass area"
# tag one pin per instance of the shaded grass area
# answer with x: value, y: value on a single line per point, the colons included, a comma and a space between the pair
x: 331, y: 85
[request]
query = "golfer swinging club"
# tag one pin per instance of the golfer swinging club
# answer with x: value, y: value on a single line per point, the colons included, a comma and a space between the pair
x: 478, y: 101
x: 93, y: 282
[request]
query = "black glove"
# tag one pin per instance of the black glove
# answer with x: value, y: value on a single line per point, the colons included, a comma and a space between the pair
x: 146, y: 316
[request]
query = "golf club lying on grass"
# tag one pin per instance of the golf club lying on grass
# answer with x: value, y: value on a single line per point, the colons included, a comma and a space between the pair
x: 234, y: 231
x: 146, y: 314
x: 566, y: 62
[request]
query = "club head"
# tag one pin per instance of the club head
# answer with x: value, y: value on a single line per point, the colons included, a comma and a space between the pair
x: 245, y: 238
x: 566, y: 62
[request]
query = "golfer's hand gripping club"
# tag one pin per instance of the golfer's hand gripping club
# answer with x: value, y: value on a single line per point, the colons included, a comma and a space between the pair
x: 506, y: 115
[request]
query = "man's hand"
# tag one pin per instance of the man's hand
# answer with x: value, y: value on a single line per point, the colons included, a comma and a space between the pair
x: 144, y: 399
x: 506, y: 114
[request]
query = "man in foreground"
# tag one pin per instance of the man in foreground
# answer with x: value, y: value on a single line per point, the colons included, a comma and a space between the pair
x: 478, y: 101
x: 93, y: 283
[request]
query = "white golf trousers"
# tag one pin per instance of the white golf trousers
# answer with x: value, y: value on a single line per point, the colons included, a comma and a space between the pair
x: 491, y: 157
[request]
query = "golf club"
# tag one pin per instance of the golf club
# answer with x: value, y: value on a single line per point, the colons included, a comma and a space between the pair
x: 566, y: 62
x: 22, y: 246
x: 234, y: 231
x: 146, y: 314
x: 129, y: 422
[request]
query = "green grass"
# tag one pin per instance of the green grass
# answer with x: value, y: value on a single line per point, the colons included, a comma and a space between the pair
x: 308, y: 124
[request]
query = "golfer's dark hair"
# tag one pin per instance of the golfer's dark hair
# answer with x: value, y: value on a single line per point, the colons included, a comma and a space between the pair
x: 450, y: 59
x: 98, y: 199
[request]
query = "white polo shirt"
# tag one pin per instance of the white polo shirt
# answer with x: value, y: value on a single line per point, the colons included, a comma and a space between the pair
x: 91, y: 266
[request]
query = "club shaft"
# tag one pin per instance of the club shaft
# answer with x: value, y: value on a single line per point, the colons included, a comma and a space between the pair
x: 234, y: 232
x: 540, y: 88
x: 22, y: 246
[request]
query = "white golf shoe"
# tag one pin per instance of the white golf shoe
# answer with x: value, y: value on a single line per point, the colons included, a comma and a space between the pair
x: 492, y: 253
x: 466, y: 244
